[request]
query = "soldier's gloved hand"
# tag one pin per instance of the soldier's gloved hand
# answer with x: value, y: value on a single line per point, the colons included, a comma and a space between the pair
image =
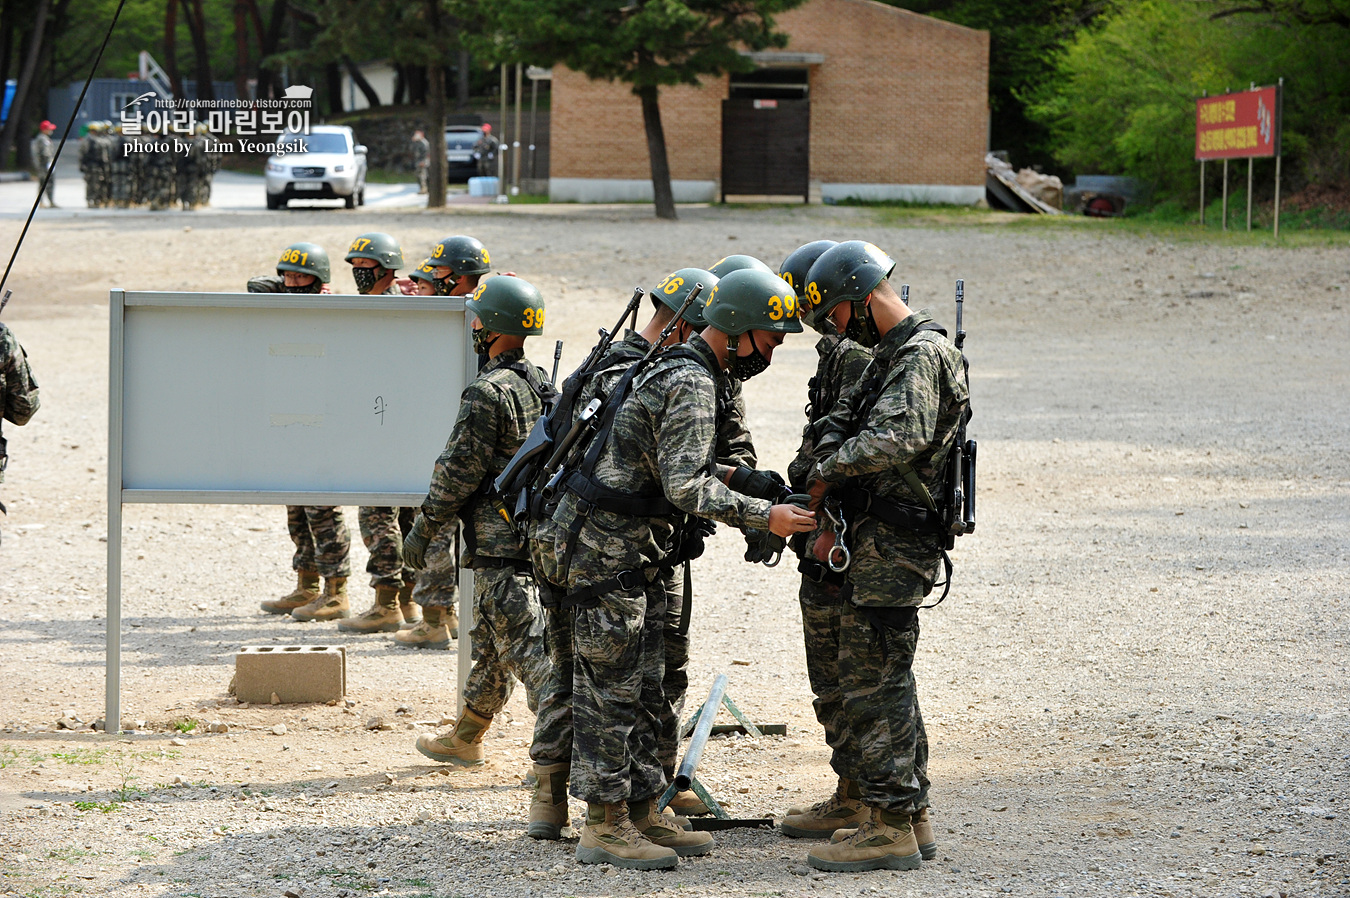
x: 706, y: 527
x: 415, y: 543
x: 790, y: 518
x: 759, y: 484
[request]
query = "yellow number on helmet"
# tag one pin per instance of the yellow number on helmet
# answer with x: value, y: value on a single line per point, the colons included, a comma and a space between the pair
x: 539, y: 318
x: 813, y: 294
x: 775, y: 308
x: 479, y: 292
x: 529, y: 319
x: 486, y: 260
x: 787, y: 276
x: 711, y: 296
x: 675, y: 284
x: 438, y: 251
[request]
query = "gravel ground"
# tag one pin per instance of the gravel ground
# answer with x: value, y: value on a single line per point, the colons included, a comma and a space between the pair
x: 1137, y: 687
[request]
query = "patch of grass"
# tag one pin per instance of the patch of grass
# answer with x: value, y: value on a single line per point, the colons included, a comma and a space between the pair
x: 142, y: 853
x: 106, y: 807
x: 185, y: 724
x: 8, y: 755
x: 82, y: 755
x: 69, y: 854
x: 389, y: 176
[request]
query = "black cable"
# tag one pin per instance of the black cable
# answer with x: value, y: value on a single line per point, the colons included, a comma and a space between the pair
x: 51, y: 169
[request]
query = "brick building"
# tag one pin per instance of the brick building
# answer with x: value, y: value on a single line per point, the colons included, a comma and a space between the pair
x: 866, y: 101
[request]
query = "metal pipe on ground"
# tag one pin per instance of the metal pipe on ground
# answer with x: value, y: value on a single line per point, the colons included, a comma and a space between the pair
x: 685, y: 775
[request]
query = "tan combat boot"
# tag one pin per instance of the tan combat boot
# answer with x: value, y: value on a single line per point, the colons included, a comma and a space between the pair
x: 662, y: 830
x: 688, y: 804
x: 842, y: 810
x: 548, y: 807
x: 884, y: 841
x: 923, y: 834
x: 306, y: 590
x: 463, y: 745
x: 407, y: 607
x: 609, y: 837
x: 329, y: 606
x: 431, y: 632
x: 383, y: 617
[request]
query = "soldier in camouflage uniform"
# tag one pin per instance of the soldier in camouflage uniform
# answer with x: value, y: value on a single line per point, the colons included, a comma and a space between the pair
x: 322, y: 540
x: 453, y: 269
x: 841, y: 366
x: 616, y: 533
x: 421, y: 159
x: 375, y: 259
x: 94, y: 163
x: 122, y: 170
x: 496, y: 412
x: 193, y: 168
x: 552, y: 745
x: 882, y: 453
x: 19, y: 398
x: 161, y: 182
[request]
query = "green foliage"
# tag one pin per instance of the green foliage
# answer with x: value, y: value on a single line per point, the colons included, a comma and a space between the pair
x: 1024, y: 39
x: 1123, y: 99
x: 653, y: 44
x: 185, y: 724
x: 106, y: 807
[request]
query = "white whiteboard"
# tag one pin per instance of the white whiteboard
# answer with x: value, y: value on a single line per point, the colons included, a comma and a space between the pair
x: 282, y: 398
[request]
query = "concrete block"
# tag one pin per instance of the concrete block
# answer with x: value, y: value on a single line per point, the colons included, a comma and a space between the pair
x: 296, y: 673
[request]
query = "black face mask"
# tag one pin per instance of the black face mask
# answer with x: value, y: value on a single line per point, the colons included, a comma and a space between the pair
x: 312, y: 287
x: 744, y: 367
x: 862, y: 327
x: 366, y: 278
x: 446, y: 285
x: 483, y: 360
x: 481, y: 343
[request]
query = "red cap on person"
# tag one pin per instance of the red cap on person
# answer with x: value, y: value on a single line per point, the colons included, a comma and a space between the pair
x: 487, y: 129
x: 46, y: 126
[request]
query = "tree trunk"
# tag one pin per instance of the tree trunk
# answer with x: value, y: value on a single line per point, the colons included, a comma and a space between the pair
x: 22, y: 89
x: 436, y: 173
x: 656, y: 149
x: 400, y: 82
x: 332, y: 75
x: 171, y: 47
x: 372, y: 98
x: 240, y: 50
x: 7, y: 16
x: 462, y: 81
x: 196, y: 19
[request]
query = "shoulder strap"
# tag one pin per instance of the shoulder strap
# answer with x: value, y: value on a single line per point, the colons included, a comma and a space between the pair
x: 527, y: 372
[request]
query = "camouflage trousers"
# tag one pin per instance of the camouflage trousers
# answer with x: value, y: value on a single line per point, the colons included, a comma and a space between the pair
x: 552, y: 742
x: 437, y: 584
x: 881, y: 711
x: 675, y: 678
x: 617, y: 699
x: 382, y: 530
x: 508, y: 641
x: 322, y: 541
x: 820, y: 628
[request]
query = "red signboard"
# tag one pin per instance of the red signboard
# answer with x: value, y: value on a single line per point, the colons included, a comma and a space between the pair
x: 1238, y: 126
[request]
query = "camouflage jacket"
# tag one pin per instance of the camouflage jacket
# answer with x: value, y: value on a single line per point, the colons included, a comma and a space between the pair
x: 842, y: 363
x: 921, y: 395
x: 18, y: 390
x: 496, y: 412
x: 663, y: 443
x: 734, y: 445
x: 421, y: 152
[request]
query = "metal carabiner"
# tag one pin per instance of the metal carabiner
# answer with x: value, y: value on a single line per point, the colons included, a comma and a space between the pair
x: 839, y: 550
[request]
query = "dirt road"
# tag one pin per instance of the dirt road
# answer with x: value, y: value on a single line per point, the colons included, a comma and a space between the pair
x: 1138, y: 686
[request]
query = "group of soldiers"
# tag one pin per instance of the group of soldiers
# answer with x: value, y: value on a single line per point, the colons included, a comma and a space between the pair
x: 580, y: 509
x: 161, y: 170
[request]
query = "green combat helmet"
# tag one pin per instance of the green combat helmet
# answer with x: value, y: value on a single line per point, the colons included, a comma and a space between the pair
x: 380, y: 247
x: 849, y: 271
x: 424, y: 272
x: 674, y: 290
x: 749, y: 300
x: 305, y: 258
x: 727, y: 264
x: 508, y: 305
x: 794, y: 270
x: 465, y: 256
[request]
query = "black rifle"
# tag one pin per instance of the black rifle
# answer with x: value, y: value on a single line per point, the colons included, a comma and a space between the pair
x: 959, y: 508
x: 523, y: 470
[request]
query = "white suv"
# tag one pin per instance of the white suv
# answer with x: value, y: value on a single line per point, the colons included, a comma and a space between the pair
x: 325, y: 164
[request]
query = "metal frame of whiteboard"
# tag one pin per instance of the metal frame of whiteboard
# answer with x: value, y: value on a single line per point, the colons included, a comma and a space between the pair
x: 119, y: 493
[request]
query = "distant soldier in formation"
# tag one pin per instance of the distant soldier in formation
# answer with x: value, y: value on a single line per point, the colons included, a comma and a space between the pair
x: 160, y: 169
x: 96, y: 165
x: 121, y: 170
x: 194, y: 171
